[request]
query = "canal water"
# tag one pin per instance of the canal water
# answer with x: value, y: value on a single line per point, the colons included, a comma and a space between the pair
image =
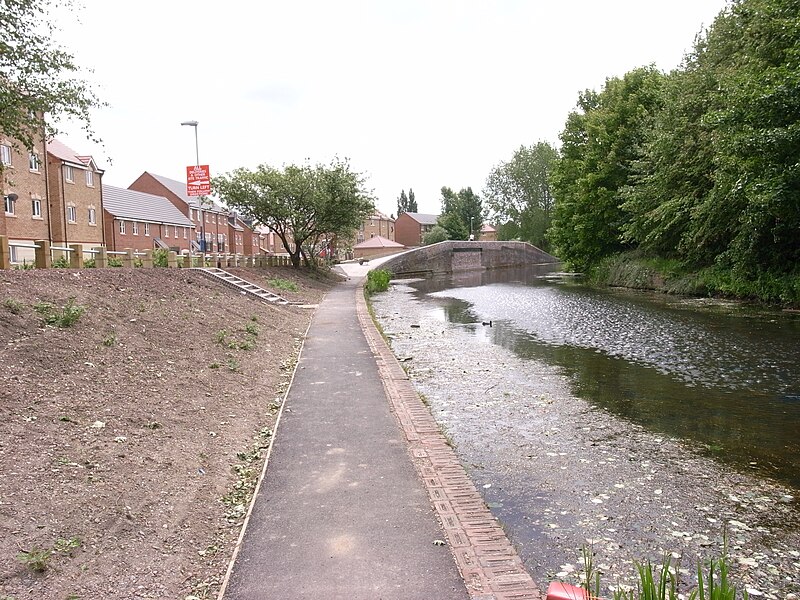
x: 641, y: 422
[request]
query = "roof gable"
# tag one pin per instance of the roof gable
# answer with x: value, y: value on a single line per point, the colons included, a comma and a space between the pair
x: 422, y: 218
x: 378, y: 242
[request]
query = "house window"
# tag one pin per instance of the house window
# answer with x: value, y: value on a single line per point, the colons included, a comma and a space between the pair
x: 69, y: 174
x: 166, y: 231
x: 135, y: 228
x: 72, y: 215
x: 12, y: 250
x: 185, y: 233
x: 176, y: 232
x: 33, y: 162
x: 147, y: 229
x: 9, y: 205
x: 208, y: 218
x: 5, y: 155
x: 36, y: 208
x: 89, y: 178
x: 92, y: 216
x: 122, y: 227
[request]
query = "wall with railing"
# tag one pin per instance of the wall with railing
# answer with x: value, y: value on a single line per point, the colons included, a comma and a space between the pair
x: 74, y: 256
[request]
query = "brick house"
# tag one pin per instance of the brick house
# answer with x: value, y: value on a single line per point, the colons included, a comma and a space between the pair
x: 23, y: 179
x: 75, y: 197
x: 209, y: 218
x: 377, y: 224
x: 268, y: 241
x: 410, y: 227
x: 144, y: 222
x: 236, y: 234
x: 488, y: 233
x: 377, y: 246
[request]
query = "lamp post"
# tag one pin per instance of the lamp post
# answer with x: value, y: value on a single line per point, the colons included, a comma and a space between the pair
x: 200, y: 212
x: 471, y: 237
x: 196, y: 147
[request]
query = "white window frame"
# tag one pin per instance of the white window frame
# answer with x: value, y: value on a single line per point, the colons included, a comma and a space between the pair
x: 122, y: 227
x: 5, y: 155
x: 10, y: 205
x: 72, y: 214
x: 176, y: 232
x: 92, y: 215
x: 135, y: 228
x: 147, y: 229
x: 33, y: 162
x: 69, y: 174
x: 186, y: 233
x: 36, y: 208
x: 89, y: 178
x: 166, y: 231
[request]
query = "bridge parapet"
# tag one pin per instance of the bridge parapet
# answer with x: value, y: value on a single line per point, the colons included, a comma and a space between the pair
x: 456, y: 256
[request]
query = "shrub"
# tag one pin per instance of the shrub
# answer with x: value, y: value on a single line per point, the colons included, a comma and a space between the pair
x: 113, y: 261
x: 89, y: 263
x: 61, y: 263
x: 60, y: 317
x: 160, y: 257
x: 378, y: 281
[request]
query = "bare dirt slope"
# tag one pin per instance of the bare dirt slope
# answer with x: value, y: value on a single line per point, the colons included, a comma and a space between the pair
x: 130, y: 439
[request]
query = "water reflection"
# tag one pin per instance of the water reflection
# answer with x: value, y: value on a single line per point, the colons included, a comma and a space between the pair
x: 728, y: 379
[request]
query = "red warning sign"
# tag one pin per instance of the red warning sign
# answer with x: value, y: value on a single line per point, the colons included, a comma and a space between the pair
x: 198, y: 181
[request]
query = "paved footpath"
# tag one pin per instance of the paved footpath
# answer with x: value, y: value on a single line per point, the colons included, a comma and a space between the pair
x: 355, y: 497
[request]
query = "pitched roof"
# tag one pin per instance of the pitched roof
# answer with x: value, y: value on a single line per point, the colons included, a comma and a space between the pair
x: 488, y: 229
x: 138, y: 206
x: 378, y: 242
x: 68, y: 155
x: 179, y: 189
x: 380, y: 216
x: 422, y: 218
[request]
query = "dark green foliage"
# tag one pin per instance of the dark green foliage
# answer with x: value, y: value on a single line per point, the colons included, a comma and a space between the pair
x: 301, y: 204
x: 519, y: 194
x: 462, y: 213
x: 160, y: 257
x: 701, y: 165
x: 406, y: 203
x: 377, y: 281
x: 435, y: 235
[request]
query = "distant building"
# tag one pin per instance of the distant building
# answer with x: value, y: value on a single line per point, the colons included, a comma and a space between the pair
x: 488, y: 234
x: 144, y: 221
x: 75, y: 197
x: 410, y: 227
x: 209, y: 218
x: 375, y: 247
x: 377, y: 224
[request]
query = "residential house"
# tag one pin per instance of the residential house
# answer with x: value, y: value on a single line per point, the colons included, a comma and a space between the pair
x: 209, y: 218
x: 488, y: 233
x: 411, y: 227
x: 75, y: 197
x: 377, y: 224
x: 23, y: 180
x: 144, y: 222
x: 375, y: 247
x: 268, y: 240
x: 236, y: 229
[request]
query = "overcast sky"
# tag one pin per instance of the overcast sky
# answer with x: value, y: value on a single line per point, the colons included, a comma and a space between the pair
x: 417, y: 94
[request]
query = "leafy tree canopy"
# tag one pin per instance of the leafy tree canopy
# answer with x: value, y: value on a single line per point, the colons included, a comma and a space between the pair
x: 519, y: 195
x: 406, y: 203
x: 301, y: 204
x: 435, y: 235
x: 462, y: 213
x: 37, y: 78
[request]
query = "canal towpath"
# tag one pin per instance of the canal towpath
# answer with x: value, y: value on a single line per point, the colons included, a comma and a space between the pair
x: 362, y: 497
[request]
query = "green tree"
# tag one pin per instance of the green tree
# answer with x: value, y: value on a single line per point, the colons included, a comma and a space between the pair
x: 462, y: 213
x: 519, y: 195
x: 600, y: 144
x: 435, y: 235
x: 412, y: 202
x: 402, y: 203
x: 37, y: 78
x: 301, y: 204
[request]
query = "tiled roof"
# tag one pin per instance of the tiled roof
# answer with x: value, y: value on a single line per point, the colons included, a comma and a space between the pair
x: 488, y: 229
x: 378, y: 242
x: 65, y: 153
x: 138, y: 206
x: 422, y: 218
x: 179, y: 189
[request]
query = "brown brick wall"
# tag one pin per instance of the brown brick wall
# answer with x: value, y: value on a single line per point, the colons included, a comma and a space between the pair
x: 27, y: 184
x: 407, y: 231
x: 78, y: 194
x: 379, y: 227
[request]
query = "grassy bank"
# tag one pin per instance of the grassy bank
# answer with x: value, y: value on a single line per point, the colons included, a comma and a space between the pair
x: 632, y: 270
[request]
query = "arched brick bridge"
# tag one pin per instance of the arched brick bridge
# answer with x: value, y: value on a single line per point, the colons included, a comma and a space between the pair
x: 455, y: 256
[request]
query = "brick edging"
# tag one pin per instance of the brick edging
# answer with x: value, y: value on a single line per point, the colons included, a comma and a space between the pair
x: 488, y: 562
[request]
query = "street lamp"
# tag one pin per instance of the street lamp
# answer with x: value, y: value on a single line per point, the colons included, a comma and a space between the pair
x: 200, y: 212
x: 471, y: 237
x: 196, y: 147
